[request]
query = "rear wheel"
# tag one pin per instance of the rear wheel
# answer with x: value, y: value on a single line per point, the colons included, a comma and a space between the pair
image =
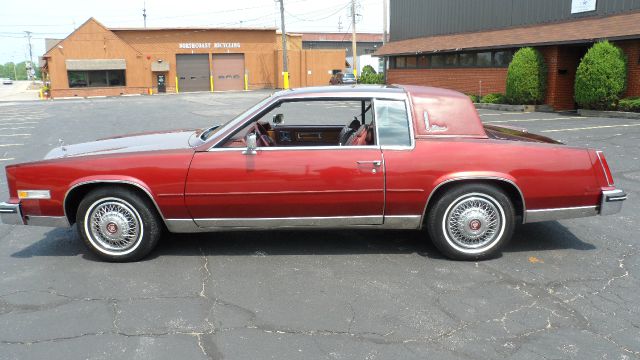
x: 471, y: 221
x: 118, y: 224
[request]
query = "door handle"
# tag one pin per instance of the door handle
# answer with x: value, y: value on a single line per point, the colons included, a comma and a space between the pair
x: 374, y: 162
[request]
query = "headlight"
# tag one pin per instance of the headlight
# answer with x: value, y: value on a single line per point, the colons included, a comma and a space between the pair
x: 34, y: 194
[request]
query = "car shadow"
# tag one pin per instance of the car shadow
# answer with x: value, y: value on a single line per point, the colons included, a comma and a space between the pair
x: 528, y: 237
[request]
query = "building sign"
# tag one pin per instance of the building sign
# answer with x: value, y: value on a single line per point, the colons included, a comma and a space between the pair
x: 226, y: 45
x: 194, y: 45
x: 579, y: 6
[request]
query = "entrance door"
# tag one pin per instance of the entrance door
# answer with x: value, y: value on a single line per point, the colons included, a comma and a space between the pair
x: 228, y: 72
x: 193, y: 72
x: 162, y: 83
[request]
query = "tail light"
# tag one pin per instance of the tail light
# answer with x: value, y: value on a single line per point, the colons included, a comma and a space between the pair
x: 605, y: 167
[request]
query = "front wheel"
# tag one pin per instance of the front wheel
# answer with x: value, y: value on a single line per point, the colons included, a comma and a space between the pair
x: 471, y: 221
x: 118, y: 225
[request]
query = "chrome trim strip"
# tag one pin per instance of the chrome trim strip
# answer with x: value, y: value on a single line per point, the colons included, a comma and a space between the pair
x: 560, y: 213
x: 111, y: 181
x: 270, y: 223
x: 396, y: 222
x: 524, y: 205
x: 11, y: 214
x: 611, y: 201
x: 599, y: 154
x: 50, y: 221
x: 402, y: 222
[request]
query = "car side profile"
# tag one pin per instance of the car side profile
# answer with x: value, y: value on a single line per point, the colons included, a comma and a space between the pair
x: 376, y: 157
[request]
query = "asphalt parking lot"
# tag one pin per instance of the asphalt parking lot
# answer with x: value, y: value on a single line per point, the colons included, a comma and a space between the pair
x: 560, y: 290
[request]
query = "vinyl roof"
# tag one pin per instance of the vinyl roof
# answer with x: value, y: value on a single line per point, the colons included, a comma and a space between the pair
x: 624, y: 26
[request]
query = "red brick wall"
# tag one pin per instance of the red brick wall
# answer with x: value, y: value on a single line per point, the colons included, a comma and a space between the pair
x: 562, y: 63
x: 632, y: 50
x: 494, y: 80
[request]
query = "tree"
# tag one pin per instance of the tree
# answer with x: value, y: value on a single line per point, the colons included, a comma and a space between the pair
x: 527, y: 77
x: 601, y: 78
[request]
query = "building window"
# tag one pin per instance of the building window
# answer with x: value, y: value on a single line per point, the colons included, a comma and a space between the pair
x: 483, y: 59
x: 502, y: 58
x: 412, y: 62
x: 96, y: 78
x: 498, y: 58
x: 423, y: 61
x: 467, y: 59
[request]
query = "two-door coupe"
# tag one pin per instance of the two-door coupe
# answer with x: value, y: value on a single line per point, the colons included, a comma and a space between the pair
x: 385, y: 157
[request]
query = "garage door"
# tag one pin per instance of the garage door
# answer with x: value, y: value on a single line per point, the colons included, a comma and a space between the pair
x: 193, y: 72
x: 228, y: 72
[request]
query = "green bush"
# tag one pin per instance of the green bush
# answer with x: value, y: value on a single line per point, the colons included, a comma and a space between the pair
x: 474, y: 98
x: 629, y: 104
x: 601, y: 78
x: 368, y: 69
x: 494, y: 99
x: 370, y: 77
x: 527, y: 78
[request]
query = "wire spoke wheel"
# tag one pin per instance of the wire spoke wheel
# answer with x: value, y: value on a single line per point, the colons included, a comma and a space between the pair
x: 474, y: 221
x: 114, y: 226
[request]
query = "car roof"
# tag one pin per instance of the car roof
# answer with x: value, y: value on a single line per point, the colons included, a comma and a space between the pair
x: 340, y: 90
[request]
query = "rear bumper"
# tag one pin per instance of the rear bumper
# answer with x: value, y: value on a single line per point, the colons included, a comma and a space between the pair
x: 610, y: 203
x: 11, y: 214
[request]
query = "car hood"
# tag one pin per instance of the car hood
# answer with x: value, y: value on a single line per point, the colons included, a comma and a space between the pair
x: 177, y: 139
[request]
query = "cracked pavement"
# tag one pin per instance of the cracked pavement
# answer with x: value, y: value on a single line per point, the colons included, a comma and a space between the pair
x: 560, y: 290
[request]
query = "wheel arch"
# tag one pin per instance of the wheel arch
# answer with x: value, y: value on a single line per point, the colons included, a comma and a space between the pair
x: 507, y: 185
x: 78, y: 190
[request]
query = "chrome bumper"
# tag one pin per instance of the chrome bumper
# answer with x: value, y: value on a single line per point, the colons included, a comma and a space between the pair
x: 11, y: 214
x: 611, y: 202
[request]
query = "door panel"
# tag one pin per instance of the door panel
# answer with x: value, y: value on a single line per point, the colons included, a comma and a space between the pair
x: 228, y: 188
x: 307, y: 135
x: 228, y: 72
x: 193, y: 72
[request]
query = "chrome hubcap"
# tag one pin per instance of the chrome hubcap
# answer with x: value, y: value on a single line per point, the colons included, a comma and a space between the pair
x: 473, y: 222
x: 114, y: 225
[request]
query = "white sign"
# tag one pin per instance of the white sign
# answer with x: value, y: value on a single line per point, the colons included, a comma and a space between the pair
x: 194, y: 45
x: 226, y: 45
x: 579, y: 6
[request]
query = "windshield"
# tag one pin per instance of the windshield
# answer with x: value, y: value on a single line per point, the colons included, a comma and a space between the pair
x: 350, y: 76
x: 214, y: 129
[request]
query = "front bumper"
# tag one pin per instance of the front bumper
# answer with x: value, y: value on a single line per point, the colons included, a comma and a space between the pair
x: 11, y: 214
x: 611, y: 202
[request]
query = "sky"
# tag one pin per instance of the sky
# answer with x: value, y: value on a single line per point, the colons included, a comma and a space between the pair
x: 58, y: 18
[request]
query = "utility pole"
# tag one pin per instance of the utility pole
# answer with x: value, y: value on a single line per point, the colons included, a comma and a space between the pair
x: 30, y: 67
x: 354, y: 49
x: 144, y: 13
x: 385, y: 34
x: 285, y: 65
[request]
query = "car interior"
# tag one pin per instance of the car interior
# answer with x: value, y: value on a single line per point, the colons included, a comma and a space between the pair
x: 343, y: 122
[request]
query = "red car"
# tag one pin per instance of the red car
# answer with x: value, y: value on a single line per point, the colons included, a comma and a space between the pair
x: 389, y: 157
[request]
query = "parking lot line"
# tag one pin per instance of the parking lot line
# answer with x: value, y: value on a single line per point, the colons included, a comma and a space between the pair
x: 7, y: 159
x: 542, y: 119
x: 7, y: 145
x: 591, y: 128
x: 19, y: 123
x: 19, y: 127
x: 15, y: 134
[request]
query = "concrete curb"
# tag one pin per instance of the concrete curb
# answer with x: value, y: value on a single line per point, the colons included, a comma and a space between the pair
x: 520, y: 108
x: 609, y: 114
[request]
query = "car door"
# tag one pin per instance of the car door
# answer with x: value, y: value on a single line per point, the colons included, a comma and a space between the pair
x: 324, y: 186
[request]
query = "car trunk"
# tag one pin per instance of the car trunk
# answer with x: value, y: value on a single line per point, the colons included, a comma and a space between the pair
x: 515, y: 134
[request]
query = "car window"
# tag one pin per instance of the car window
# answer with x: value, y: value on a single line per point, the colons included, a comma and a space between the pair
x: 393, y: 123
x: 313, y: 122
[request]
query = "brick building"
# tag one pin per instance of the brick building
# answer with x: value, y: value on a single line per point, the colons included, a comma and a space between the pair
x: 95, y: 60
x: 441, y: 43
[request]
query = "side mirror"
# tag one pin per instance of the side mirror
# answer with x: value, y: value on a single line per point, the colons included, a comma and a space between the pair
x: 278, y: 119
x: 252, y: 144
